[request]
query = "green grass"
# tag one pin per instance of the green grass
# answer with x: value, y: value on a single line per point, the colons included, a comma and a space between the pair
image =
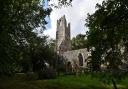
x: 63, y: 82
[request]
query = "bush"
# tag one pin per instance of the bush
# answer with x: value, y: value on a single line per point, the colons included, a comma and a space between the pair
x: 31, y: 75
x: 47, y: 73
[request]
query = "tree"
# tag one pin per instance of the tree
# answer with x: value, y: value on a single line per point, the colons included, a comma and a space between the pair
x: 107, y: 33
x: 108, y: 27
x: 19, y: 18
x: 79, y: 42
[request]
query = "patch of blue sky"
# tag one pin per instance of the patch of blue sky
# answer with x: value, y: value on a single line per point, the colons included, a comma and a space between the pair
x: 47, y: 18
x: 48, y: 25
x: 45, y: 4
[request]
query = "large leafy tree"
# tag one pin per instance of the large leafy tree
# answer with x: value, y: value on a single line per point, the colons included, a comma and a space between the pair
x: 18, y: 19
x: 108, y: 29
x: 79, y: 42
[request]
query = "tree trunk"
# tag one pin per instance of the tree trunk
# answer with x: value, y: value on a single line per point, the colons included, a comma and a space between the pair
x: 114, y: 84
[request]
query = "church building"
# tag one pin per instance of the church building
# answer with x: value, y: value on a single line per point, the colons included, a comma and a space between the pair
x: 63, y: 45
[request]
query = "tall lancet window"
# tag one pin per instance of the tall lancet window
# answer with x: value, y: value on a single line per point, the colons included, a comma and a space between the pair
x: 61, y: 23
x: 80, y: 57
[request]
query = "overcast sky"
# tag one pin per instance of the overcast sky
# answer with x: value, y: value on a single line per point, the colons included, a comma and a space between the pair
x: 76, y: 15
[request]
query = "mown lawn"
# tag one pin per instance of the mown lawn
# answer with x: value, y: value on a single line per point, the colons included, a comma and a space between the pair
x: 63, y: 82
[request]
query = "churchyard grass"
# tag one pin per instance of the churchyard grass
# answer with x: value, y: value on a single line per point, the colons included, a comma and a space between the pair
x: 61, y: 82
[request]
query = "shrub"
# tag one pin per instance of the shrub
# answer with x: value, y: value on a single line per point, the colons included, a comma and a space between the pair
x: 31, y: 75
x: 47, y: 73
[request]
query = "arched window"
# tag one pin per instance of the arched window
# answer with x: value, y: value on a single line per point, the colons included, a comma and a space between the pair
x: 69, y: 66
x: 69, y: 63
x: 80, y: 57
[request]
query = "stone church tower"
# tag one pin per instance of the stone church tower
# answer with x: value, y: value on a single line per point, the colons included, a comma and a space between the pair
x: 63, y: 42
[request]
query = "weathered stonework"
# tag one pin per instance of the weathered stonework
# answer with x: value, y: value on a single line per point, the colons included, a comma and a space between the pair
x: 77, y: 58
x: 73, y: 57
x: 63, y: 43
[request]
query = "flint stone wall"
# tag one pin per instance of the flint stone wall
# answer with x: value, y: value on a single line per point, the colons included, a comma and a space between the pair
x: 72, y: 56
